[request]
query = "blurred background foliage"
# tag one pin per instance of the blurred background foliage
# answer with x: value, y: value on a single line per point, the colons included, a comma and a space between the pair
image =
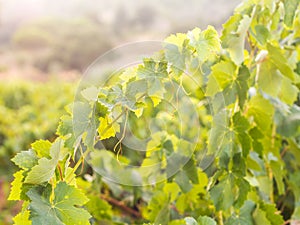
x: 48, y: 37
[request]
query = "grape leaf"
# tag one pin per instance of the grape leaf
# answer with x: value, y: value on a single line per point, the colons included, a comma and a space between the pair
x: 262, y: 111
x: 233, y: 36
x: 206, y: 42
x: 266, y: 214
x: 158, y: 209
x: 16, y: 186
x: 269, y: 79
x: 219, y: 133
x: 81, y: 117
x: 25, y: 159
x: 290, y: 7
x: 106, y: 129
x: 135, y: 89
x: 22, y: 218
x: 190, y: 221
x: 205, y: 220
x: 223, y: 194
x: 278, y: 174
x: 183, y: 181
x: 244, y: 217
x: 90, y: 93
x: 262, y: 34
x: 65, y: 131
x: 271, y: 213
x: 99, y: 208
x: 288, y: 92
x: 260, y: 217
x: 231, y: 190
x: 277, y: 57
x: 152, y: 68
x: 176, y: 51
x: 62, y: 210
x: 241, y: 125
x: 288, y: 124
x: 222, y: 75
x: 42, y: 148
x: 242, y: 85
x: 46, y: 167
x: 294, y: 180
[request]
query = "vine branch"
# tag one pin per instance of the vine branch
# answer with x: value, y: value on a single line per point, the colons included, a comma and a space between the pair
x: 122, y: 206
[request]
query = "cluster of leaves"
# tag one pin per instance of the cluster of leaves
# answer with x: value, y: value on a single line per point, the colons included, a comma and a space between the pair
x: 25, y: 117
x: 216, y: 122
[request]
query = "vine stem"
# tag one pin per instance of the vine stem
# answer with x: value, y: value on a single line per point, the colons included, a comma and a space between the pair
x: 220, y: 218
x: 122, y: 206
x: 122, y: 138
x: 286, y: 148
x: 270, y: 175
x: 60, y: 172
x: 78, y: 163
x: 287, y: 222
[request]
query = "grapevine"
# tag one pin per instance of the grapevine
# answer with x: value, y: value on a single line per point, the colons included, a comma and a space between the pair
x: 218, y: 121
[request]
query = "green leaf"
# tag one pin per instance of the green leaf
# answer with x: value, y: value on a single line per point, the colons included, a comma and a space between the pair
x: 278, y: 174
x: 158, y: 208
x: 176, y: 51
x: 190, y: 221
x: 90, y: 93
x: 81, y: 118
x: 290, y: 7
x: 62, y: 210
x: 183, y: 181
x: 278, y: 58
x: 16, y: 186
x: 25, y: 159
x: 106, y: 129
x: 289, y: 124
x: 244, y: 217
x: 136, y: 89
x: 223, y: 194
x: 262, y: 111
x: 206, y: 42
x: 152, y: 68
x: 46, y: 167
x: 294, y: 180
x: 242, y: 84
x: 269, y: 79
x: 266, y: 214
x: 225, y: 77
x: 99, y: 208
x: 260, y: 217
x: 272, y: 213
x: 22, y: 218
x: 42, y: 148
x: 233, y: 36
x: 191, y: 170
x: 219, y: 133
x: 262, y: 34
x: 205, y: 220
x: 231, y: 190
x: 241, y: 125
x: 173, y: 190
x: 288, y: 92
x: 256, y: 135
x: 65, y: 131
x: 222, y: 74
